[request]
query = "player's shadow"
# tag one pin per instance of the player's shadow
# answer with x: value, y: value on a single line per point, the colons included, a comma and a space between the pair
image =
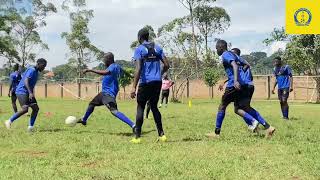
x: 52, y: 130
x: 130, y: 134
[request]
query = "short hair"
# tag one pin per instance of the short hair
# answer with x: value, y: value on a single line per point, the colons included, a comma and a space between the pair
x: 41, y: 61
x: 143, y: 34
x: 16, y: 67
x: 278, y: 58
x: 223, y: 43
x: 109, y: 55
x: 237, y: 51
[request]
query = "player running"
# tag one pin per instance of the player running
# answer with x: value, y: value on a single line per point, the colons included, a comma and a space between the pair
x: 25, y: 94
x: 110, y: 89
x: 15, y: 78
x: 166, y: 85
x: 284, y: 80
x: 247, y: 90
x: 148, y: 57
x: 233, y: 89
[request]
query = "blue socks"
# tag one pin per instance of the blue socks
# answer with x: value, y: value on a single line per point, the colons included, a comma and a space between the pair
x: 248, y: 118
x: 124, y: 119
x: 259, y: 118
x: 33, y: 119
x: 14, y: 117
x: 88, y: 113
x: 219, y: 120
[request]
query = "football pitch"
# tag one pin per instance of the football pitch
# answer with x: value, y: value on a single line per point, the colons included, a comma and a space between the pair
x: 102, y: 149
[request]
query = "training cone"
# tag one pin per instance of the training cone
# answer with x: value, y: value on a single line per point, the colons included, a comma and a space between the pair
x: 190, y: 103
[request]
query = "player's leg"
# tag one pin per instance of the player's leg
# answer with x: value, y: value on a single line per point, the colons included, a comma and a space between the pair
x: 142, y: 99
x: 162, y: 98
x: 167, y: 97
x: 96, y: 101
x: 14, y: 102
x: 35, y: 110
x: 24, y: 103
x: 148, y: 110
x: 111, y: 103
x: 156, y: 88
x: 284, y: 103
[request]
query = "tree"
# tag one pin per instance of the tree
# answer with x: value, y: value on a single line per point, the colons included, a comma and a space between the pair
x: 24, y: 33
x: 190, y: 5
x: 211, y: 20
x: 303, y: 53
x: 125, y: 79
x: 78, y: 41
x: 152, y: 36
x: 278, y: 34
x: 211, y: 77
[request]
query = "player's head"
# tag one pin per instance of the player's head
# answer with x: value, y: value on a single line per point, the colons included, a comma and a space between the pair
x: 236, y: 51
x: 277, y: 62
x: 108, y: 59
x: 41, y: 64
x: 16, y: 67
x: 143, y: 35
x: 221, y: 47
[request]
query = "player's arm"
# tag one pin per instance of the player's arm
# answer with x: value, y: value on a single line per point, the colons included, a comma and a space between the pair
x: 136, y: 77
x: 166, y: 64
x: 10, y: 87
x: 27, y: 85
x: 274, y: 86
x: 99, y: 72
x: 235, y: 74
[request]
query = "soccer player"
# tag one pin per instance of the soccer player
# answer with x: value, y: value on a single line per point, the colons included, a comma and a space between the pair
x: 15, y: 78
x: 110, y: 89
x: 166, y: 85
x: 148, y: 57
x: 284, y: 80
x: 246, y: 94
x: 233, y: 89
x: 25, y: 94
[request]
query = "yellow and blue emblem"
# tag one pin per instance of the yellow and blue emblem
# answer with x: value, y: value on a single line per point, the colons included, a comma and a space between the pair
x: 303, y: 17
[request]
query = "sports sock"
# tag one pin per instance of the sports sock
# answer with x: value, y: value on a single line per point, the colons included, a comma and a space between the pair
x: 124, y: 119
x: 88, y: 113
x: 219, y: 119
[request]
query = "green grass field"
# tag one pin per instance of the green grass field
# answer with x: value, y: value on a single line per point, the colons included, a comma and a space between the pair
x: 102, y: 149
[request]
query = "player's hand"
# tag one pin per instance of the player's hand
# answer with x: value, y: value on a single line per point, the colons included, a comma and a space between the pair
x: 133, y: 93
x: 31, y: 96
x: 273, y: 91
x: 85, y: 71
x: 220, y: 88
x: 291, y: 89
x: 237, y: 85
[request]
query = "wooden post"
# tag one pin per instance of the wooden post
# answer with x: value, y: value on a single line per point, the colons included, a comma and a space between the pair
x: 97, y: 87
x: 61, y: 90
x: 188, y: 85
x: 0, y: 90
x: 307, y: 98
x: 46, y: 90
x: 268, y: 87
x: 79, y: 90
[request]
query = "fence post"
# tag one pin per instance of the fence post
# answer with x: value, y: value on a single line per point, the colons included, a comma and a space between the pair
x: 97, y: 87
x: 188, y: 85
x: 61, y: 91
x: 46, y: 90
x: 79, y: 90
x: 307, y: 98
x: 0, y: 90
x: 268, y: 87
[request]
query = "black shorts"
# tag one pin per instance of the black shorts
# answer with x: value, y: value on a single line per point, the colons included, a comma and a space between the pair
x: 283, y: 94
x: 245, y: 95
x: 166, y: 93
x: 230, y: 95
x: 25, y: 101
x: 149, y: 92
x: 105, y: 99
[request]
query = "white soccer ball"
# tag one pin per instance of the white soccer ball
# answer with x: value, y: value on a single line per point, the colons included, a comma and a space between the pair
x: 71, y: 121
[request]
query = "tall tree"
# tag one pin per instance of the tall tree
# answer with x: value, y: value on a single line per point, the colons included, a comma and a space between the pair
x: 25, y: 37
x: 78, y: 41
x: 211, y: 20
x: 190, y: 5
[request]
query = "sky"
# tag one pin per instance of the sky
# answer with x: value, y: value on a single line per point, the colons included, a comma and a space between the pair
x: 116, y: 23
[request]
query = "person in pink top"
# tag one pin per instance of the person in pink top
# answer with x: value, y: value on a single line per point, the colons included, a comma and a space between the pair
x: 166, y: 85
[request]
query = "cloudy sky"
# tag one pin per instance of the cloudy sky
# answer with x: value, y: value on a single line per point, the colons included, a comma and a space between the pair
x: 116, y: 23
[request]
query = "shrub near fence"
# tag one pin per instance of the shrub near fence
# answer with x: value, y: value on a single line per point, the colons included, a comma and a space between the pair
x: 304, y: 89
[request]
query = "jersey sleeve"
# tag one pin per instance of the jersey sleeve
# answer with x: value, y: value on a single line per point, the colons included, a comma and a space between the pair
x: 29, y: 73
x: 137, y: 54
x: 228, y: 58
x: 12, y: 77
x: 111, y: 68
